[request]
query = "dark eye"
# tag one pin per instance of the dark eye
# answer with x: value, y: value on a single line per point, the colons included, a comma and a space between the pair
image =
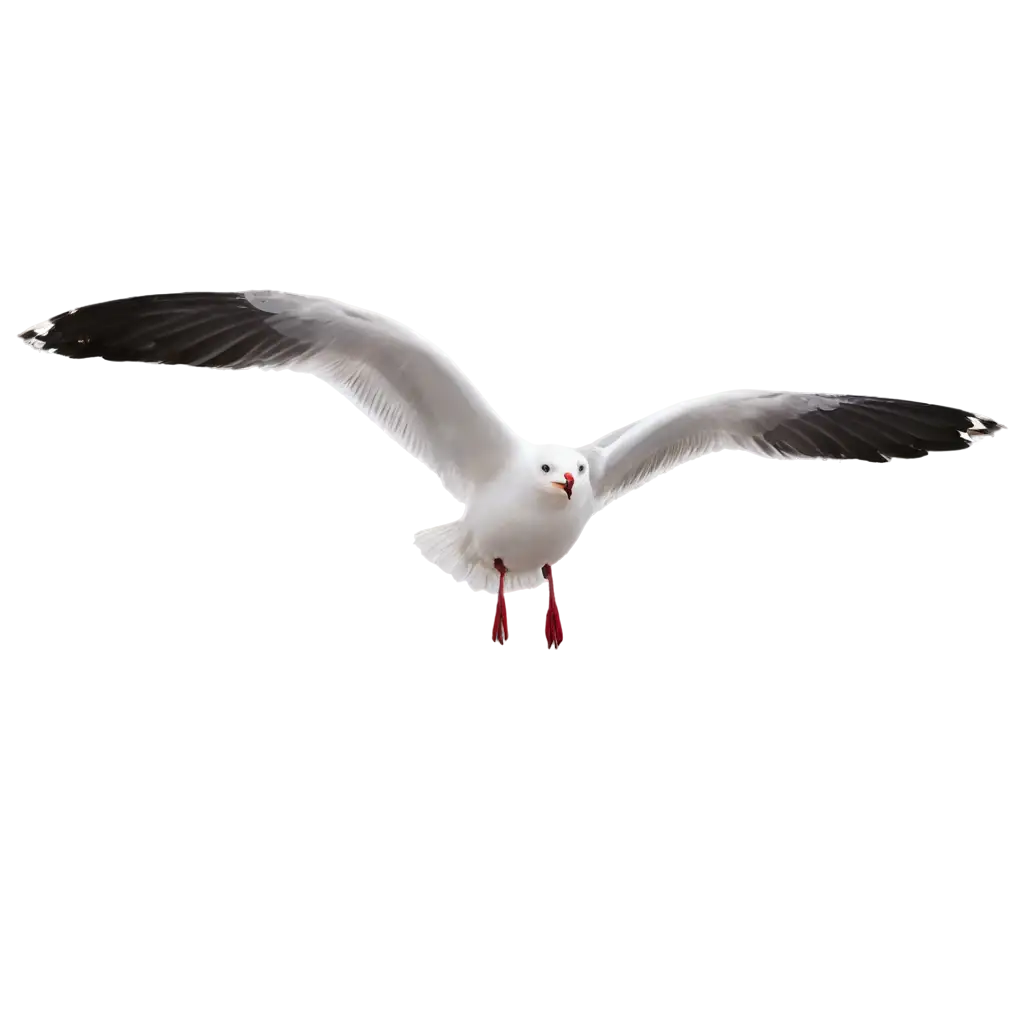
x: 545, y: 468
x: 581, y: 467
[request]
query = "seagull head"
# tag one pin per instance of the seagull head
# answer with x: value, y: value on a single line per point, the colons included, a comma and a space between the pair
x: 558, y: 471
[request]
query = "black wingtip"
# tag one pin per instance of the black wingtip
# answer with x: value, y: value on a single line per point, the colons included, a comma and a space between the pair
x: 221, y: 329
x: 877, y: 430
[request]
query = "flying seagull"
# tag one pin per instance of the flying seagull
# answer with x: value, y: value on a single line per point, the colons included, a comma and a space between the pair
x: 525, y: 504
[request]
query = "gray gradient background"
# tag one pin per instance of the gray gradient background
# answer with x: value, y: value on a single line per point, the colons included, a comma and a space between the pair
x: 256, y: 764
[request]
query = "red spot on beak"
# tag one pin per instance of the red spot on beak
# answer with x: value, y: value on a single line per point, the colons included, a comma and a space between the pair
x: 567, y: 486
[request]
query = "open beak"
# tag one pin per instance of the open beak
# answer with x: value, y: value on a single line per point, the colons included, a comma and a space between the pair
x: 567, y: 486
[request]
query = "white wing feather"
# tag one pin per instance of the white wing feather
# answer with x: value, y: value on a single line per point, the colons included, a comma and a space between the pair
x: 696, y: 424
x: 407, y: 387
x: 411, y: 390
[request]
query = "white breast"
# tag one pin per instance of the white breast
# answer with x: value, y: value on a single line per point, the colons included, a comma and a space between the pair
x: 525, y: 533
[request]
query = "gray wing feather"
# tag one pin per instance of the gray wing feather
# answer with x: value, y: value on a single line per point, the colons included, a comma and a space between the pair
x: 781, y: 425
x: 403, y: 384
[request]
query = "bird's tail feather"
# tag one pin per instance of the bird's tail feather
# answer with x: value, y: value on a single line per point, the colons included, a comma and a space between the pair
x: 449, y: 548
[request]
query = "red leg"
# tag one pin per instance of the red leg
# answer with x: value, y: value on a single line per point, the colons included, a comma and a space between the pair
x: 500, y: 630
x: 553, y: 624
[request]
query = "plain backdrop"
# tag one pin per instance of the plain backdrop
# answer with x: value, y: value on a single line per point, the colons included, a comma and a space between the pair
x: 257, y: 765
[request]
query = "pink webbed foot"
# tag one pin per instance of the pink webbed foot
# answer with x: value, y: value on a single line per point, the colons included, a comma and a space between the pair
x: 500, y: 630
x: 553, y: 623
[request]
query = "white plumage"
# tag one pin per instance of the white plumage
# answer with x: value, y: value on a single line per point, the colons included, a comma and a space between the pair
x: 525, y: 503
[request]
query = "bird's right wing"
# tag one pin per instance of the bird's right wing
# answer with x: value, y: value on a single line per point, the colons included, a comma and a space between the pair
x: 407, y: 387
x: 781, y: 425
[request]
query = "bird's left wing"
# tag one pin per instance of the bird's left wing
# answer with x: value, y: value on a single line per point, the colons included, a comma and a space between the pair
x: 779, y: 424
x: 407, y: 387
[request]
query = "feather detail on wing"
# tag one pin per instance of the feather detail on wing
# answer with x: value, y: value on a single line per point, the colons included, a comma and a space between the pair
x: 781, y: 425
x: 404, y: 385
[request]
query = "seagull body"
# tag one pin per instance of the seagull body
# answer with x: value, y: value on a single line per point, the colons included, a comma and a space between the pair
x: 524, y: 513
x: 525, y: 504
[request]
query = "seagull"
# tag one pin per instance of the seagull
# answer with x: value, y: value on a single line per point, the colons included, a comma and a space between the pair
x: 525, y: 504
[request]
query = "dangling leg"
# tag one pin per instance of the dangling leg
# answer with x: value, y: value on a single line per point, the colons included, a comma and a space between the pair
x: 500, y: 630
x: 553, y: 624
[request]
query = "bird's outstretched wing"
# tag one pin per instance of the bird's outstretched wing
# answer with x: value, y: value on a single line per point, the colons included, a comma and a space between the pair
x: 779, y: 424
x: 408, y: 388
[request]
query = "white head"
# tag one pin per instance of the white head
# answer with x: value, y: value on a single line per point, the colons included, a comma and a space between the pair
x: 557, y: 473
